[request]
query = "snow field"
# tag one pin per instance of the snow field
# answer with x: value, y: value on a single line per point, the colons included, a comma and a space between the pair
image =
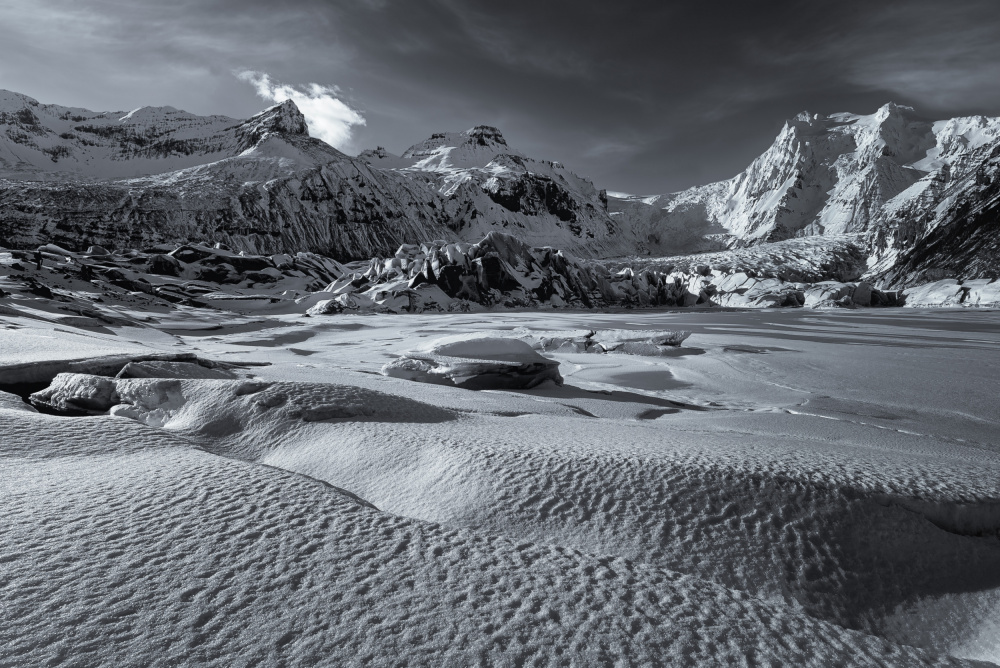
x: 777, y: 501
x: 158, y: 552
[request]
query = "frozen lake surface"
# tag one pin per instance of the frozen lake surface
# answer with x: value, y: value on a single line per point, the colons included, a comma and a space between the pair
x: 787, y: 487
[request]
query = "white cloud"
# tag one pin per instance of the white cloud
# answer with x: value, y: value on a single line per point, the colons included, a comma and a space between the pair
x: 329, y: 118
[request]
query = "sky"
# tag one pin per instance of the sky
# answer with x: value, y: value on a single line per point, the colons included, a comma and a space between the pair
x: 642, y: 97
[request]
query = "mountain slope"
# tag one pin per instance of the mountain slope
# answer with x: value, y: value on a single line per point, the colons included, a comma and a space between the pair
x: 48, y: 141
x: 262, y: 185
x: 908, y: 185
x: 160, y: 175
x: 947, y: 225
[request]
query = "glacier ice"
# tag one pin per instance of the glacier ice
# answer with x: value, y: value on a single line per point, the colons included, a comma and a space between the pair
x: 476, y: 362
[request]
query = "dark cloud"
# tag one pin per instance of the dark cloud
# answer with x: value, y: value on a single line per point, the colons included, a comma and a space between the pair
x: 640, y: 96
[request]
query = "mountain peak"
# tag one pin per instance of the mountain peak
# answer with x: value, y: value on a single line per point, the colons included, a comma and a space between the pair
x: 476, y: 139
x: 892, y: 107
x: 893, y: 110
x: 485, y: 135
x: 284, y: 117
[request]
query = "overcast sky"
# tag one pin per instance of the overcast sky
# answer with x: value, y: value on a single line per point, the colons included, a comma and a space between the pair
x: 643, y: 97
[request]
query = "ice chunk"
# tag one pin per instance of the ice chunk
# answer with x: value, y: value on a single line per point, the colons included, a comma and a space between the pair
x: 429, y: 298
x: 357, y: 301
x: 477, y: 362
x: 945, y: 292
x: 630, y: 341
x: 862, y: 295
x: 77, y: 394
x: 166, y: 369
x: 572, y: 341
x: 826, y: 293
x: 151, y: 401
x: 612, y: 339
x: 326, y: 307
x: 982, y: 293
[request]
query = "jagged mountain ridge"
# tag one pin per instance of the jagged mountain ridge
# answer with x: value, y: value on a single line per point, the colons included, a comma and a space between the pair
x: 902, y: 183
x: 264, y: 186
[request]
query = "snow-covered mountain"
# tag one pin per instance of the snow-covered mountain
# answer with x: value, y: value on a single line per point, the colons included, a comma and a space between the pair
x: 540, y: 201
x: 923, y: 197
x: 160, y: 175
x: 912, y: 188
x: 52, y: 142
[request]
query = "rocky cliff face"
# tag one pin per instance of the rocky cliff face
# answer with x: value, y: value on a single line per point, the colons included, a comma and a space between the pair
x: 921, y: 194
x: 160, y: 175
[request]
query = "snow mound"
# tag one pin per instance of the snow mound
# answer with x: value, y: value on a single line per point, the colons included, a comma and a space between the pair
x: 826, y: 510
x: 476, y: 362
x: 12, y: 402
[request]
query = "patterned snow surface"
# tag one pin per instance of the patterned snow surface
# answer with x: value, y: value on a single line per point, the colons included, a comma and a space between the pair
x: 784, y: 488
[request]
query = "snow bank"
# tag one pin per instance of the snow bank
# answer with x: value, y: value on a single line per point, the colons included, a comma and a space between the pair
x: 12, y: 402
x: 42, y: 371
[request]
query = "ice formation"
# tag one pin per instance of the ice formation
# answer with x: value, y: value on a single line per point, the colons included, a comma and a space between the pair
x: 635, y: 342
x: 476, y: 362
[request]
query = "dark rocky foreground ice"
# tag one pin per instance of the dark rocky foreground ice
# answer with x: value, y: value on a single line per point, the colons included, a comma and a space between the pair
x: 780, y: 487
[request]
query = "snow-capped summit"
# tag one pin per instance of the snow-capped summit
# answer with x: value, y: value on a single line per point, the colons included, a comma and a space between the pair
x: 473, y: 148
x: 485, y: 136
x: 547, y: 203
x: 822, y: 174
x: 282, y: 118
x: 476, y: 147
x: 456, y: 157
